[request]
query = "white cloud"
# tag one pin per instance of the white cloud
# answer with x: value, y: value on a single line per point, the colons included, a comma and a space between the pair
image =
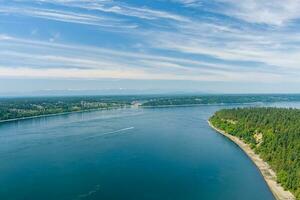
x: 119, y: 8
x: 272, y: 12
x: 5, y: 37
x: 67, y: 16
x: 190, y: 49
x: 27, y: 72
x: 274, y: 49
x: 54, y: 37
x: 190, y: 3
x: 71, y: 61
x: 139, y: 12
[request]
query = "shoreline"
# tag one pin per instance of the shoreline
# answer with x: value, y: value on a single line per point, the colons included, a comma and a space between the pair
x: 198, y: 104
x: 58, y: 114
x: 116, y: 107
x: 268, y: 174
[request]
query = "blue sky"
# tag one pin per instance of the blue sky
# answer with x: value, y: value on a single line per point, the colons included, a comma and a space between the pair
x: 229, y: 46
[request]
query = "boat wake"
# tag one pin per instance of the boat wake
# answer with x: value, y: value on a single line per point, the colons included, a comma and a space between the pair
x: 90, y: 193
x: 112, y: 132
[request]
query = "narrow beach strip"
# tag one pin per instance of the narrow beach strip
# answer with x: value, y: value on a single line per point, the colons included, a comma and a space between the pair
x: 266, y: 171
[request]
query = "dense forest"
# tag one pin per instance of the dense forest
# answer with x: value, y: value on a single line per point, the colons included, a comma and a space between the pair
x: 216, y: 99
x: 274, y: 134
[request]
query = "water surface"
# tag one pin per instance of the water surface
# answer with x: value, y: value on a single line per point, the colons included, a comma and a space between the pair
x: 134, y: 154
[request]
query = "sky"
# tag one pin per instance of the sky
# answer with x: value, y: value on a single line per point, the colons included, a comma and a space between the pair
x: 150, y: 46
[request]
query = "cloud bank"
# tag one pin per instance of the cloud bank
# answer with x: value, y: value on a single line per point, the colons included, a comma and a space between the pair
x: 220, y: 40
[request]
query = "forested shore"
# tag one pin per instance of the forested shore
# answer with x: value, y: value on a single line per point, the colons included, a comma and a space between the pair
x: 29, y: 107
x: 273, y: 133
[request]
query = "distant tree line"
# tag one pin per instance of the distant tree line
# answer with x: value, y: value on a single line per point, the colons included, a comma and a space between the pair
x: 274, y: 134
x: 216, y: 99
x: 14, y: 108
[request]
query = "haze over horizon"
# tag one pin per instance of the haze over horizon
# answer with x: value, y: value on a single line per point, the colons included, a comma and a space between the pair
x: 217, y: 46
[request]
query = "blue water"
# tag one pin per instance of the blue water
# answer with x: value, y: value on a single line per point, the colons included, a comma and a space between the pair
x: 134, y: 154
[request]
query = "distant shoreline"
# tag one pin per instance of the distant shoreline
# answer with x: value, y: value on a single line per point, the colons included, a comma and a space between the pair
x: 138, y: 106
x: 268, y: 174
x: 199, y: 104
x: 61, y: 113
x: 98, y: 109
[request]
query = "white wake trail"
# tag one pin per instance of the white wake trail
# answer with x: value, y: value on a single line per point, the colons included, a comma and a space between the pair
x: 112, y: 132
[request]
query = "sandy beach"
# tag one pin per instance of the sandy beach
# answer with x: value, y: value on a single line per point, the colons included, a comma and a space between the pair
x: 268, y: 174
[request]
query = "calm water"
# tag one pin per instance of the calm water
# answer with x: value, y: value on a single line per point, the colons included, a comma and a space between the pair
x: 134, y: 154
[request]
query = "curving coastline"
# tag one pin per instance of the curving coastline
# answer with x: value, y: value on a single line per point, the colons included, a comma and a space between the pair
x: 268, y: 174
